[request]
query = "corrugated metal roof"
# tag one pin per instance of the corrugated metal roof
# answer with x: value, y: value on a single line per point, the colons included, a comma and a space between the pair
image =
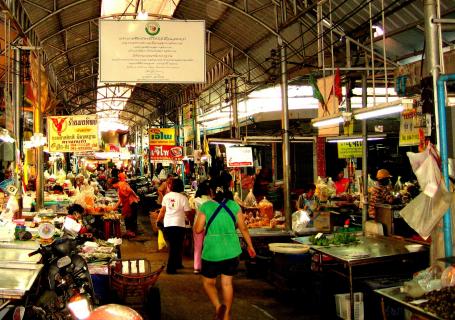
x: 249, y: 29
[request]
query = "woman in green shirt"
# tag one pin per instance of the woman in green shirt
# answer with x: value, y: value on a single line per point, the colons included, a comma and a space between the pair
x: 220, y: 255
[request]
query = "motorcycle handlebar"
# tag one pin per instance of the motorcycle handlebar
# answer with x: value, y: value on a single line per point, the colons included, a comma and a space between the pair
x: 34, y: 252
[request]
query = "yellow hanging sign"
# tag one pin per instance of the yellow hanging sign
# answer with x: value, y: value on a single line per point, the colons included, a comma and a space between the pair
x: 351, y: 149
x: 162, y: 136
x: 72, y: 133
x: 409, y: 128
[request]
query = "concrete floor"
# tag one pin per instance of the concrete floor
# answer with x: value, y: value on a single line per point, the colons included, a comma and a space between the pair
x: 182, y: 295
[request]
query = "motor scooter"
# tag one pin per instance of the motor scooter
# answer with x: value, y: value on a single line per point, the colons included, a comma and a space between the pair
x: 65, y: 275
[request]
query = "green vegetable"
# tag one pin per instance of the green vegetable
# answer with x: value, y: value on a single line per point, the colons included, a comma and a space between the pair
x: 337, y: 239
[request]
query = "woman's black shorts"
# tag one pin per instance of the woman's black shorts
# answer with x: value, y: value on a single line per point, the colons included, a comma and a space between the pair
x: 212, y: 269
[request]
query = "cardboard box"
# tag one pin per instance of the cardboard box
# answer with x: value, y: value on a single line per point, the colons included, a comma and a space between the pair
x: 323, y: 222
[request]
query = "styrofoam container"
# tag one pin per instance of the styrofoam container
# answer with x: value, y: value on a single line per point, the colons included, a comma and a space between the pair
x: 343, y: 306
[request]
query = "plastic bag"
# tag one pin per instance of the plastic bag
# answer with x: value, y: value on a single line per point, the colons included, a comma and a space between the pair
x: 322, y: 191
x: 331, y: 189
x: 398, y: 185
x: 161, y: 241
x: 427, y: 209
x: 250, y: 200
x: 448, y: 277
x: 423, y: 281
x: 300, y: 220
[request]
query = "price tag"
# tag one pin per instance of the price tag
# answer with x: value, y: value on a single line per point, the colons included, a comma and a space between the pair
x: 320, y: 234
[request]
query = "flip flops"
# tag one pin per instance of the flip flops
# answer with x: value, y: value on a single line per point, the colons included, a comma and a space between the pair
x: 220, y: 312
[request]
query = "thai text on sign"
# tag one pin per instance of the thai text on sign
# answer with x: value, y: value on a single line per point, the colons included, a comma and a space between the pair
x: 162, y: 136
x: 72, y: 133
x: 166, y: 153
x: 352, y: 149
x: 239, y: 157
x: 409, y: 128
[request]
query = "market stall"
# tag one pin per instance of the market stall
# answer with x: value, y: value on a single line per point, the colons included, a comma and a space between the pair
x: 356, y: 256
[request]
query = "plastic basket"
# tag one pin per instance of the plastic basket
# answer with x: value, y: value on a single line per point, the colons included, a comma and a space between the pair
x: 132, y: 279
x: 343, y: 306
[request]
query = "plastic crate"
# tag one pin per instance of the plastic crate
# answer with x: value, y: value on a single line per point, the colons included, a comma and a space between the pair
x: 132, y: 279
x: 343, y: 306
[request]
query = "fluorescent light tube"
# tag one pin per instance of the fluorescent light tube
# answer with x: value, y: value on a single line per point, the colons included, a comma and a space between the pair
x: 321, y: 122
x: 379, y: 110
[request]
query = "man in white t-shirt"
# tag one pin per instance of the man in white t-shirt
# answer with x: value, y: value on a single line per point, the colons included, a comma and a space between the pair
x: 174, y: 208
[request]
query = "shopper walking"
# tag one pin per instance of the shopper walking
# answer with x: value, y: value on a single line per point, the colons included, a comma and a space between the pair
x: 220, y: 254
x: 202, y: 195
x: 174, y: 208
x: 165, y: 187
x: 129, y: 201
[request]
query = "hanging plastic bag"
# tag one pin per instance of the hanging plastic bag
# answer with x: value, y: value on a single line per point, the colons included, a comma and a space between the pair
x: 300, y: 220
x: 250, y: 200
x: 322, y: 192
x: 161, y: 241
x: 427, y: 209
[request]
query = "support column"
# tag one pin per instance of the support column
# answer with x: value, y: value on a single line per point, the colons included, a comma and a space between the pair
x: 432, y: 54
x: 181, y: 140
x: 285, y: 129
x: 141, y: 150
x: 320, y: 38
x: 364, y: 154
x: 38, y: 128
x: 235, y: 115
x: 17, y: 129
x: 197, y: 126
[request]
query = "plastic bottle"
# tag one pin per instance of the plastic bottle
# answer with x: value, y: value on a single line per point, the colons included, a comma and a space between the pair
x: 398, y: 185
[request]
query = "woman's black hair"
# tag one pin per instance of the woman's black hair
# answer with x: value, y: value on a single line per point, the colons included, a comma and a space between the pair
x: 220, y: 189
x: 75, y: 208
x: 177, y: 185
x: 308, y: 187
x: 57, y: 187
x: 203, y: 189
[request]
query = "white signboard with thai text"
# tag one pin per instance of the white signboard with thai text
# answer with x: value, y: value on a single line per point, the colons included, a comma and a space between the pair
x: 152, y: 51
x: 239, y: 157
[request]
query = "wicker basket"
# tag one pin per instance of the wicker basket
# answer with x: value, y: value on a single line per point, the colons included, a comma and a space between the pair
x: 131, y: 279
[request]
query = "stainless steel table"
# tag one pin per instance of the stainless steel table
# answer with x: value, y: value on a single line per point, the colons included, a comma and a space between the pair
x: 395, y: 294
x: 18, y: 271
x: 18, y: 256
x: 17, y: 244
x: 369, y: 250
x: 17, y: 278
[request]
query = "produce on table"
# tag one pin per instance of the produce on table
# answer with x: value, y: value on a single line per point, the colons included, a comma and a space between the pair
x: 441, y: 302
x: 337, y: 239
